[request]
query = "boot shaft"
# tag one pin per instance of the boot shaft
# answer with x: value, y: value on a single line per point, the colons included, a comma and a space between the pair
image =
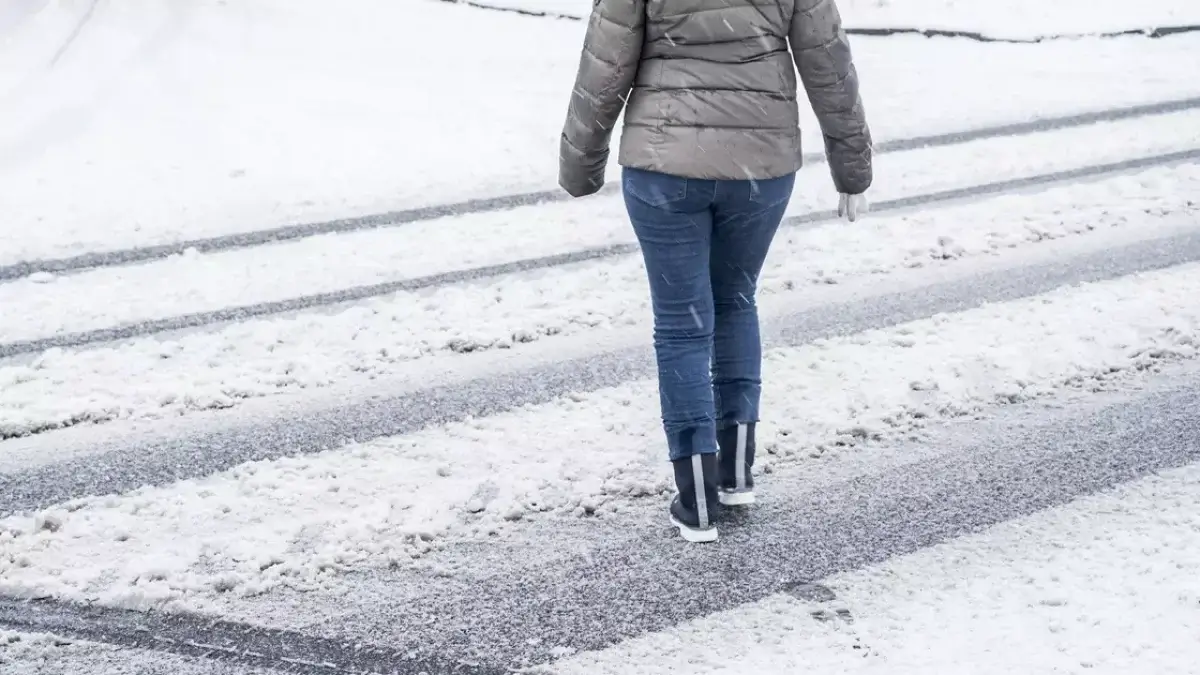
x: 736, y: 457
x: 696, y: 479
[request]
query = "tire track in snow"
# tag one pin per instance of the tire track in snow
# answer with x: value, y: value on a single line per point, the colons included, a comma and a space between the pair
x: 1153, y: 33
x: 531, y: 614
x: 75, y: 32
x: 242, y: 313
x: 121, y: 466
x: 541, y: 14
x: 397, y: 218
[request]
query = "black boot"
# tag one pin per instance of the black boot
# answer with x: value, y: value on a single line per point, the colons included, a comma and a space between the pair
x: 696, y: 509
x: 736, y: 461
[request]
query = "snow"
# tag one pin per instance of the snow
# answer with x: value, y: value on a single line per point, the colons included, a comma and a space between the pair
x: 165, y: 121
x: 999, y: 18
x: 1108, y: 584
x: 45, y: 654
x: 194, y: 282
x: 151, y: 378
x: 1019, y: 18
x: 296, y: 521
x: 17, y: 649
x: 151, y: 121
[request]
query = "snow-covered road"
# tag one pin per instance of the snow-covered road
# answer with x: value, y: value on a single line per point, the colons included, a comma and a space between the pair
x: 1107, y: 584
x: 390, y: 501
x: 982, y: 403
x: 264, y: 357
x: 196, y: 283
x: 611, y: 594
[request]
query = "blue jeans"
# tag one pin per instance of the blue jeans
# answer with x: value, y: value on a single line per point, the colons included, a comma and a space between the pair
x: 704, y: 243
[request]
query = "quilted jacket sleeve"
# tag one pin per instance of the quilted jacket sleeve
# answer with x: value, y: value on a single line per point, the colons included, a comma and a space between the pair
x: 607, y: 67
x: 827, y: 70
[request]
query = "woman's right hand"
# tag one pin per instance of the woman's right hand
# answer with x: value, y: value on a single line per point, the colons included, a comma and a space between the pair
x: 851, y: 207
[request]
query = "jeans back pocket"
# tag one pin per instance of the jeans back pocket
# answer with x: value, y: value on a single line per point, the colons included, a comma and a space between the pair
x: 654, y: 189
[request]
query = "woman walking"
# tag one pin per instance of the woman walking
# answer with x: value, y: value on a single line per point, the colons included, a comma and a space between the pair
x: 710, y: 149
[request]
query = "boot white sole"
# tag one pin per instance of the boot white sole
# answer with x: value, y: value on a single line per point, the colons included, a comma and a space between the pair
x: 693, y: 535
x: 744, y: 498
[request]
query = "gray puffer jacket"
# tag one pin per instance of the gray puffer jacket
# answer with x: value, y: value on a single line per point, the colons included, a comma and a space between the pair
x: 711, y: 91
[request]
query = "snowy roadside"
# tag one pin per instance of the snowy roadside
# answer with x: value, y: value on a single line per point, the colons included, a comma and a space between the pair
x: 298, y: 520
x: 999, y: 18
x: 1106, y: 584
x: 109, y: 297
x: 226, y: 119
x: 1018, y: 18
x: 149, y: 378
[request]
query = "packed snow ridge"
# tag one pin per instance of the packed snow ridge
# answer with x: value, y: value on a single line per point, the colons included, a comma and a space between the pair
x: 192, y: 283
x: 296, y: 521
x: 149, y: 378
